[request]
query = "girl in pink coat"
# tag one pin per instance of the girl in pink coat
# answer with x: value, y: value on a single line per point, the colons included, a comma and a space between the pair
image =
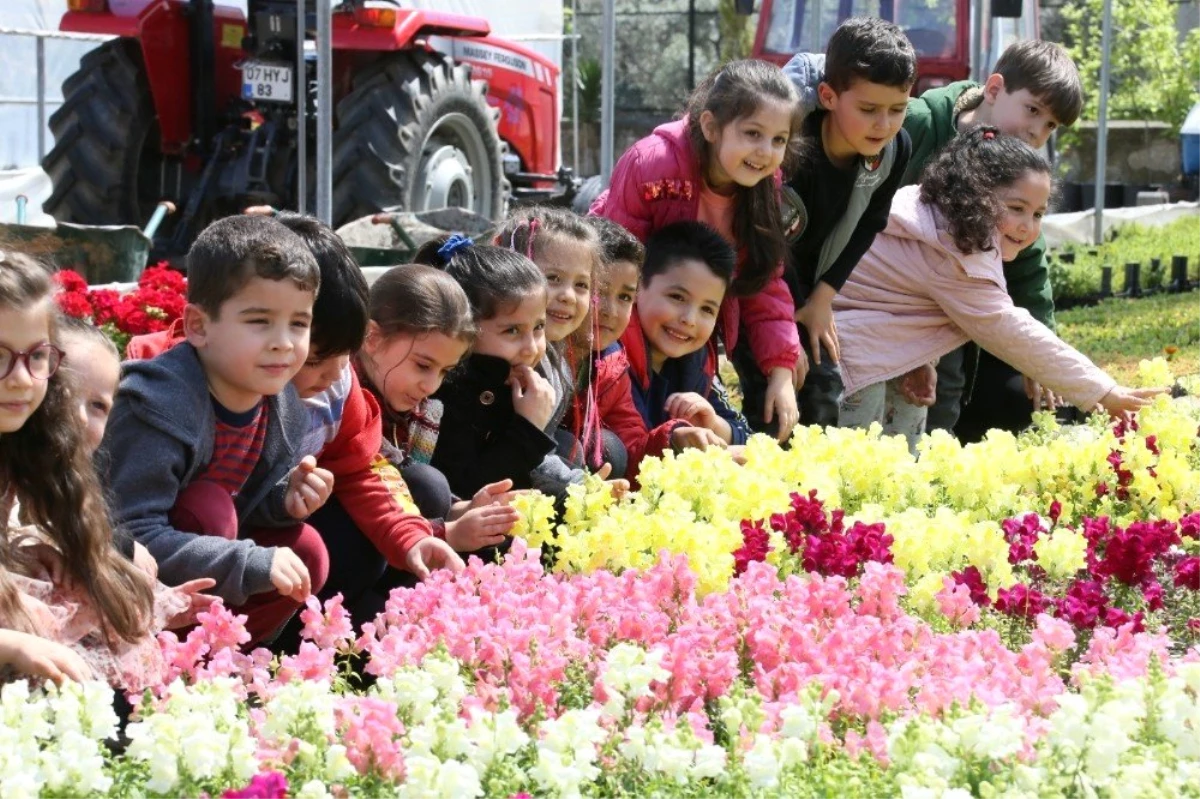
x: 934, y: 279
x: 720, y: 165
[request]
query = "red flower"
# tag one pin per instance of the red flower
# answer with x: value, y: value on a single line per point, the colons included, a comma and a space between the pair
x: 74, y: 304
x: 162, y: 277
x: 756, y: 544
x: 1187, y: 573
x: 70, y: 280
x: 105, y: 301
x: 1021, y: 600
x: 1116, y: 618
x: 1129, y: 554
x: 973, y: 580
x: 1084, y: 604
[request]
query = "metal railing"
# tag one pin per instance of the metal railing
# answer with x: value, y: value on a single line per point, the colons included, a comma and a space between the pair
x: 40, y: 100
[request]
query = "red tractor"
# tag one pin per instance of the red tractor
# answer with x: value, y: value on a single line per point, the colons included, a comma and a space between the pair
x: 940, y: 30
x: 196, y: 103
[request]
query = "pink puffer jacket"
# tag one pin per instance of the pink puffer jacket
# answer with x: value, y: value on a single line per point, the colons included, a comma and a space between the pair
x: 657, y: 182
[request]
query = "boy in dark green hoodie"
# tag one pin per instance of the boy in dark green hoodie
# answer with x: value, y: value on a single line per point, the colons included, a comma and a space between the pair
x: 1034, y: 90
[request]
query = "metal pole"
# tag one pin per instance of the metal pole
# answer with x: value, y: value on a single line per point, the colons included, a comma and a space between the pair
x: 575, y: 85
x: 976, y: 39
x: 691, y: 44
x: 606, y: 91
x: 1102, y: 122
x: 324, y: 112
x: 301, y: 83
x: 41, y: 97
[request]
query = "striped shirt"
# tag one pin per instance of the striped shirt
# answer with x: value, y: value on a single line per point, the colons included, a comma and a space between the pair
x: 237, y: 446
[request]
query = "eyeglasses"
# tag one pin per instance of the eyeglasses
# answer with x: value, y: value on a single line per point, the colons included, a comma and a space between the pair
x: 41, y: 361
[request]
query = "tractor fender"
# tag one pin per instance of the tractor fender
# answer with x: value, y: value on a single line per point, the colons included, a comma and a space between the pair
x: 161, y: 30
x: 411, y: 25
x: 522, y: 86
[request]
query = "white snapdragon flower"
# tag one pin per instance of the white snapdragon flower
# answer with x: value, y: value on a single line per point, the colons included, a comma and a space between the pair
x: 413, y: 692
x: 567, y: 751
x: 797, y: 721
x: 428, y: 776
x: 197, y: 731
x: 446, y: 674
x: 298, y: 704
x: 313, y: 789
x: 493, y: 736
x: 762, y: 763
x: 630, y: 670
x: 997, y: 735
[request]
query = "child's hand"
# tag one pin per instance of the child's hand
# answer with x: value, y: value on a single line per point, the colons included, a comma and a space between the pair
x: 817, y: 317
x: 1041, y: 396
x: 692, y: 408
x: 309, y: 488
x: 781, y: 402
x: 289, y: 575
x: 481, y: 527
x: 919, y: 387
x: 35, y: 656
x: 618, y: 488
x: 197, y: 602
x: 533, y: 396
x: 493, y: 493
x: 1122, y: 401
x: 695, y: 438
x: 145, y: 561
x: 432, y: 553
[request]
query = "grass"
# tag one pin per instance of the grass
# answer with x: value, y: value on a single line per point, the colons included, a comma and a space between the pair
x: 1115, y: 335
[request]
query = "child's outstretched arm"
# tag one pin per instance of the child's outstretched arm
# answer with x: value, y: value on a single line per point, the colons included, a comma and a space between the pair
x: 144, y: 469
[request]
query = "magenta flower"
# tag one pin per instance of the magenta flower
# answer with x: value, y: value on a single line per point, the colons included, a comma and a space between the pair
x: 1187, y: 573
x: 755, y: 547
x: 265, y: 785
x: 1021, y: 600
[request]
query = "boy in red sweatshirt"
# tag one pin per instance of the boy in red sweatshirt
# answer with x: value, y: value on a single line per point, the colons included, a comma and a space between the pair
x: 370, y: 522
x: 617, y: 287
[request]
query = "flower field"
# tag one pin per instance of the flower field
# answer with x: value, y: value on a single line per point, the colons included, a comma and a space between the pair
x: 1019, y: 617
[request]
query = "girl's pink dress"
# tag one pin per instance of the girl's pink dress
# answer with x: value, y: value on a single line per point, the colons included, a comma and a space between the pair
x: 65, y: 615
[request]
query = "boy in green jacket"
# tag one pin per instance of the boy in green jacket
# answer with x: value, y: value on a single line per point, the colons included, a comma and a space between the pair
x: 1034, y: 90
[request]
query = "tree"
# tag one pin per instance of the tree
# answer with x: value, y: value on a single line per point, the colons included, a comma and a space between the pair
x: 1153, y: 75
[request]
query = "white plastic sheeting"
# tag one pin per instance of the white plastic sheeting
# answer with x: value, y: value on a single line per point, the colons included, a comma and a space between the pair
x: 1077, y: 227
x: 18, y: 76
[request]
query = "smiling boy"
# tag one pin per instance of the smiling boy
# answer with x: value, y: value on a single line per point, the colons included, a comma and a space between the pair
x: 853, y: 153
x: 200, y: 453
x: 672, y: 359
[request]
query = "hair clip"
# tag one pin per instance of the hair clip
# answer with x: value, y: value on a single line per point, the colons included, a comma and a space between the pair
x: 453, y: 244
x: 989, y: 134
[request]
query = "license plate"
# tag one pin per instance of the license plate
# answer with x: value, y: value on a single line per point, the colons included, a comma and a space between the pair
x: 266, y: 82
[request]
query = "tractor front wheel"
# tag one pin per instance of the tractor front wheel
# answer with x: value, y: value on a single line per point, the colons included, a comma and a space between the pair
x: 415, y: 133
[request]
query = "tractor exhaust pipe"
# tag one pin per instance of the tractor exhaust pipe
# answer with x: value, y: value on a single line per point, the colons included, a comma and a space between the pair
x: 203, y: 52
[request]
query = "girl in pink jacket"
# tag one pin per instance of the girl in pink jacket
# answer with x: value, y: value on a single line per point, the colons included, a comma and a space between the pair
x: 720, y: 165
x: 934, y: 279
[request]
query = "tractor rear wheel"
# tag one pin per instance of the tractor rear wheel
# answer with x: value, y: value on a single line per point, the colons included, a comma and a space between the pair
x: 416, y: 133
x: 106, y: 162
